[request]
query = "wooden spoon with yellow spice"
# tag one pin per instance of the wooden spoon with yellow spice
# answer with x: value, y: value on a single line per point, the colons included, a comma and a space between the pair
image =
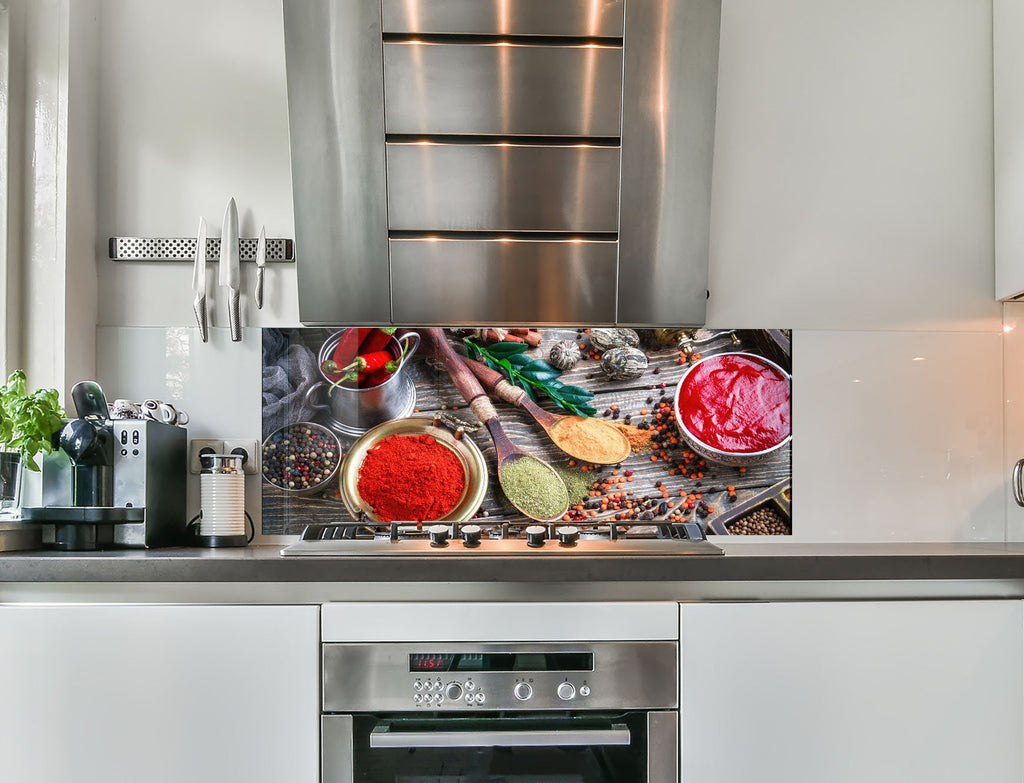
x: 530, y: 484
x: 586, y: 439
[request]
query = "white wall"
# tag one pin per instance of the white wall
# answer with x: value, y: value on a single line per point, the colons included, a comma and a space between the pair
x: 852, y: 202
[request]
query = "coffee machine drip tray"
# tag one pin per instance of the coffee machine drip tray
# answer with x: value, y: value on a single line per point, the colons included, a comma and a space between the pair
x: 88, y: 515
x: 83, y: 528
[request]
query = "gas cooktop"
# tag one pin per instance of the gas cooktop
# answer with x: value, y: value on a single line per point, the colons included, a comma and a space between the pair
x: 480, y: 538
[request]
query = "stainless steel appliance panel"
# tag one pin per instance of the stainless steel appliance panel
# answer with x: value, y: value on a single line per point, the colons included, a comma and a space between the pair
x: 454, y: 281
x: 663, y: 746
x: 502, y: 187
x: 502, y: 89
x: 376, y: 678
x: 336, y: 745
x: 336, y: 127
x: 670, y: 72
x: 595, y: 18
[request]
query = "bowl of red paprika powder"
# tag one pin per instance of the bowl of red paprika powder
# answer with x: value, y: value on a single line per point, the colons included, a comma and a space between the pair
x: 409, y: 470
x: 734, y: 408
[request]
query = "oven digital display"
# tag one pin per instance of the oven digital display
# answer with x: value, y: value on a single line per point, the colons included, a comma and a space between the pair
x: 502, y: 662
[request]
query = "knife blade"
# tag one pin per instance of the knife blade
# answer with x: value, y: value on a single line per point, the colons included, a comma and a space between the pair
x: 229, y: 272
x: 261, y: 262
x: 199, y: 282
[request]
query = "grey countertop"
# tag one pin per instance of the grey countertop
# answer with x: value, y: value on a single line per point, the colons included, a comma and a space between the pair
x: 743, y: 562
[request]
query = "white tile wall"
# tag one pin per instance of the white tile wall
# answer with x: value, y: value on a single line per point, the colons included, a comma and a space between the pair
x: 897, y: 436
x: 1013, y: 401
x: 217, y: 383
x: 852, y: 202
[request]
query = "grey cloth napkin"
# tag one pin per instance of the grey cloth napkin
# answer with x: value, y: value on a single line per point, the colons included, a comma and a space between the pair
x: 289, y: 372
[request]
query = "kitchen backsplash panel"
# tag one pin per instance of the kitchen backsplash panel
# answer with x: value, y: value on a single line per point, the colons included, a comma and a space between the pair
x: 661, y: 477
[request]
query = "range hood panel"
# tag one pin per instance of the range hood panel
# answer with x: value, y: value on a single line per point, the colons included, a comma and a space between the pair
x: 579, y: 132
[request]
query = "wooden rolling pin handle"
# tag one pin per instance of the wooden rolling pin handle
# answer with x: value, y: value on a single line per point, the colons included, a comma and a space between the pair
x: 467, y: 384
x: 494, y: 382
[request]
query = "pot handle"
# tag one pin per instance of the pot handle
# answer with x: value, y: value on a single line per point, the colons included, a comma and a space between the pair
x: 310, y: 397
x: 1018, y: 489
x: 407, y: 352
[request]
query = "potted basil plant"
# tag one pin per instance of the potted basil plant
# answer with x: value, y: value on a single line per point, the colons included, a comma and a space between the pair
x: 28, y: 423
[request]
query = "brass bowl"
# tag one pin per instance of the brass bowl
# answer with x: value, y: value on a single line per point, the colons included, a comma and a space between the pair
x: 464, y: 448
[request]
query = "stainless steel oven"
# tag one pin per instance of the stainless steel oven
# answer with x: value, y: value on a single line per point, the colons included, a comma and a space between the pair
x: 522, y: 712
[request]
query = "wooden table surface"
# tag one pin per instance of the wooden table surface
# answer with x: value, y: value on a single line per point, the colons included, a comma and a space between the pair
x: 652, y: 478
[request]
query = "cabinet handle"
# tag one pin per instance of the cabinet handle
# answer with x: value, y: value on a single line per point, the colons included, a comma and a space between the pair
x: 383, y: 737
x: 1018, y: 489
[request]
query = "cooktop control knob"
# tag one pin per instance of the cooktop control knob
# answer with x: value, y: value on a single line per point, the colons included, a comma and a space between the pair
x: 471, y: 535
x: 535, y: 535
x: 438, y: 535
x: 453, y: 692
x: 568, y: 535
x: 522, y: 691
x: 566, y: 691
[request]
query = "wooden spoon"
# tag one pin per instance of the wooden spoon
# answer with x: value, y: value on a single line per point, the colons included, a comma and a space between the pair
x: 471, y: 390
x: 557, y: 425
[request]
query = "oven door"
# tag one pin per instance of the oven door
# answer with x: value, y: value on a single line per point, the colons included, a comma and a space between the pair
x: 638, y: 747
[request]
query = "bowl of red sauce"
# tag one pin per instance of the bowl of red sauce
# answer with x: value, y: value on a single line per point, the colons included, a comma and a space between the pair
x: 734, y: 408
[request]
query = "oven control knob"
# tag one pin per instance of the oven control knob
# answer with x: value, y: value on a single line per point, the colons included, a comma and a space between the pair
x: 470, y: 685
x: 584, y: 690
x: 568, y: 535
x: 535, y: 535
x: 471, y: 535
x: 438, y: 535
x: 566, y: 691
x: 453, y: 692
x: 522, y: 691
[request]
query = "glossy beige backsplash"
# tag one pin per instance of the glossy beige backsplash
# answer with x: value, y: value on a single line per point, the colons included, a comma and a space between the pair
x: 897, y: 436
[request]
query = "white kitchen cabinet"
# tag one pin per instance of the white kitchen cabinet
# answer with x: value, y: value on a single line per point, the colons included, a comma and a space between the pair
x: 887, y: 692
x: 1008, y: 132
x: 159, y: 694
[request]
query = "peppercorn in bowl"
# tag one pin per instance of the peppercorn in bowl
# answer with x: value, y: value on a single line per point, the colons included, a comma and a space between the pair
x: 301, y: 458
x: 410, y: 470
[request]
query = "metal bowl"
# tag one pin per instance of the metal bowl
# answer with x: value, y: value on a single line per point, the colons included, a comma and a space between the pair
x: 739, y: 458
x: 464, y: 448
x: 327, y: 482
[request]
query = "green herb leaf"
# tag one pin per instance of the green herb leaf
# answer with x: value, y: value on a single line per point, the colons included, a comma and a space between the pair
x: 532, y: 375
x: 28, y: 422
x: 505, y: 350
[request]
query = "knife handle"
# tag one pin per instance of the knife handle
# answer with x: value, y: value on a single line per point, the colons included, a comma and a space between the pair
x: 258, y: 294
x: 199, y: 306
x: 234, y: 317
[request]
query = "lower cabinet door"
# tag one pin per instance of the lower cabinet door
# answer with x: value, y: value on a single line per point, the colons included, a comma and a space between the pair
x: 886, y: 692
x: 159, y: 694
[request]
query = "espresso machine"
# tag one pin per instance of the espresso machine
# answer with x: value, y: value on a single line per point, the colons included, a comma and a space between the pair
x: 112, y: 483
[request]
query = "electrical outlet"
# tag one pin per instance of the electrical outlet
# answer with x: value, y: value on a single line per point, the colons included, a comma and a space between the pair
x: 198, y: 446
x: 248, y: 448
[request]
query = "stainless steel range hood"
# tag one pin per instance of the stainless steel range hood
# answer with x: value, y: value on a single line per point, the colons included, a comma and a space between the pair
x: 502, y: 161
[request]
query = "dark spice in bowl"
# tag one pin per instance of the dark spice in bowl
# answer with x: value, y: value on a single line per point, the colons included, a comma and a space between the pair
x: 300, y: 457
x: 411, y: 478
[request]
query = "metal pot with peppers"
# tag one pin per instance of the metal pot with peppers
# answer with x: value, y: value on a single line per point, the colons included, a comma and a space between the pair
x: 362, y: 380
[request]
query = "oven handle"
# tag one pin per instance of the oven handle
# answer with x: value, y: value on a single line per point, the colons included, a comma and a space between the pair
x: 383, y: 737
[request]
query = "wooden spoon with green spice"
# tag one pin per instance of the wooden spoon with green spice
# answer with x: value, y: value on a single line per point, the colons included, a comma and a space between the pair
x: 530, y: 484
x: 584, y: 438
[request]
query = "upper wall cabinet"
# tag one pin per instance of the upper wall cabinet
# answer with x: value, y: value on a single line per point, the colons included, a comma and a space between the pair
x: 1008, y: 117
x: 502, y: 162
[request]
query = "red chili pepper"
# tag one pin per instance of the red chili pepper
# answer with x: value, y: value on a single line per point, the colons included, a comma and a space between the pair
x: 376, y: 340
x: 348, y: 345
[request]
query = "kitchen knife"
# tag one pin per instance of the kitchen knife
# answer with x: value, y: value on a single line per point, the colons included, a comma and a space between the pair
x: 199, y: 282
x: 261, y: 262
x: 229, y: 274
